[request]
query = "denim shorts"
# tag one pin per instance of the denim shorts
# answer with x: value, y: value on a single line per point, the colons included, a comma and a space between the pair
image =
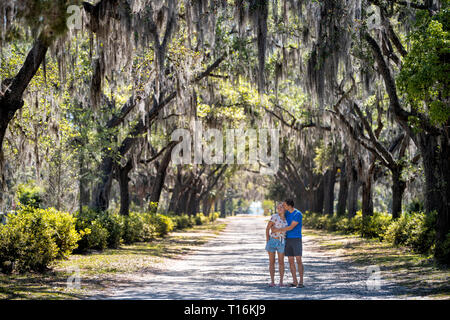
x: 275, y: 245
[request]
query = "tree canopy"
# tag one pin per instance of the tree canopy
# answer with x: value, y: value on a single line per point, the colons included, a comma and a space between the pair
x: 359, y: 89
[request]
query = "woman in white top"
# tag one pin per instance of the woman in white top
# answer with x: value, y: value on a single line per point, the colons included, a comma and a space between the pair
x: 275, y: 243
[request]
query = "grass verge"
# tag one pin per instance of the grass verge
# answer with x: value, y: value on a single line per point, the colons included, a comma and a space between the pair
x: 419, y: 273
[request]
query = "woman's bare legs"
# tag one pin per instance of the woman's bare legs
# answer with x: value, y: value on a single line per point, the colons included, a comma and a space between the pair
x: 281, y: 267
x: 272, y: 266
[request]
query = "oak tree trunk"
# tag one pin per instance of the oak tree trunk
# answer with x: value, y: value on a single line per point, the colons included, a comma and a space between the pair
x: 353, y: 191
x: 367, y: 201
x: 223, y: 208
x: 329, y: 182
x: 436, y: 162
x: 174, y: 198
x: 158, y: 183
x: 318, y: 197
x: 398, y: 188
x: 343, y: 191
x: 122, y: 177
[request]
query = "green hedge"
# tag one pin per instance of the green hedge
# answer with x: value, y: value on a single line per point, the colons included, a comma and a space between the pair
x: 213, y: 216
x: 185, y: 221
x: 113, y: 224
x: 413, y: 229
x: 182, y: 221
x: 94, y: 234
x: 375, y: 226
x: 133, y: 227
x: 370, y: 227
x: 33, y: 238
x: 146, y: 226
x: 200, y: 219
x: 64, y: 232
x: 30, y: 195
x: 101, y: 230
x: 163, y: 224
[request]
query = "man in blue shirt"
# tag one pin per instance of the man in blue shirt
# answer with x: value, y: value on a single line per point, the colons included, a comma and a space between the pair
x: 293, y: 249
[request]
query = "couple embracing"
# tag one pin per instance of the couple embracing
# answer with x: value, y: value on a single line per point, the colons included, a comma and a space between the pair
x: 284, y: 236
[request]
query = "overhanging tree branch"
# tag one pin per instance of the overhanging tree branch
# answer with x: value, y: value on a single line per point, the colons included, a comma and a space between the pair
x: 401, y: 114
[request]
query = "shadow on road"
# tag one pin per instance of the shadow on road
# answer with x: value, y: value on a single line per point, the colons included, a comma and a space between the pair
x: 235, y: 266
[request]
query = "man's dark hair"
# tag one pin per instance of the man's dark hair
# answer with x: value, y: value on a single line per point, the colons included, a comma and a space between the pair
x: 289, y: 202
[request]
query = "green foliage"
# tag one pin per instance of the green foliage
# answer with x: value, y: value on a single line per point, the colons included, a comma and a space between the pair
x: 33, y: 238
x: 26, y: 243
x: 442, y: 251
x: 415, y: 230
x: 324, y: 155
x: 163, y: 224
x: 149, y: 232
x: 100, y: 229
x: 48, y: 15
x: 268, y: 206
x: 213, y: 216
x: 424, y: 74
x: 139, y: 227
x: 314, y: 220
x: 319, y: 221
x: 94, y: 234
x: 345, y: 225
x: 355, y: 223
x: 415, y: 205
x: 277, y: 191
x: 153, y: 207
x: 370, y: 227
x: 113, y: 224
x: 200, y: 219
x: 65, y: 235
x: 29, y: 195
x: 375, y: 226
x: 186, y: 221
x: 236, y: 99
x: 332, y: 223
x: 182, y: 221
x: 133, y: 227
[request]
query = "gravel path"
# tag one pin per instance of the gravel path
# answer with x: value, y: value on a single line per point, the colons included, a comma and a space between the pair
x: 234, y: 265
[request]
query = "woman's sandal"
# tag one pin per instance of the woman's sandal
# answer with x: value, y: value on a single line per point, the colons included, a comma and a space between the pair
x: 300, y: 286
x: 271, y: 285
x: 292, y: 285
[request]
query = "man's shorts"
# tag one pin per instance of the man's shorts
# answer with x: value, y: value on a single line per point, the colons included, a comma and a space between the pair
x: 294, y: 247
x: 275, y: 245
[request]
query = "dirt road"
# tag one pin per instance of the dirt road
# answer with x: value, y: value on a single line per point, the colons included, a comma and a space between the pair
x: 234, y: 265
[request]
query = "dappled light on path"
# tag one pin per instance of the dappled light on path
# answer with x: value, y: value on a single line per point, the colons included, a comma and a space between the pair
x: 235, y: 266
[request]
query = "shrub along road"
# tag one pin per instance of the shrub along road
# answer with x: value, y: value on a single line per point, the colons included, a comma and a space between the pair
x: 234, y: 266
